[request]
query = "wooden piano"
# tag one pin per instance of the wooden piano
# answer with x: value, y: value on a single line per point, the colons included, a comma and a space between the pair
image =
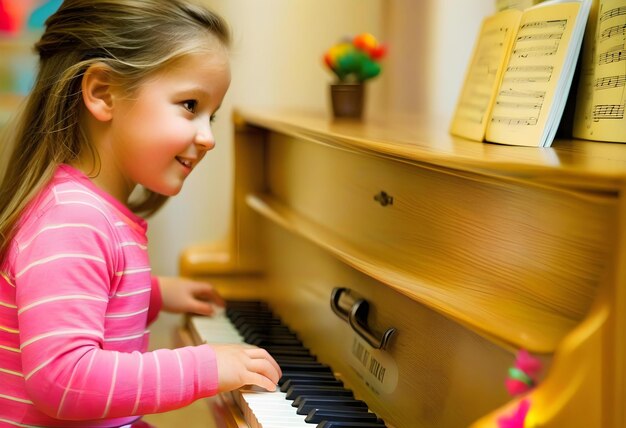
x: 416, y: 265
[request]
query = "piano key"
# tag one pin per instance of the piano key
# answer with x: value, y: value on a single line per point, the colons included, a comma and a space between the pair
x: 254, y: 322
x: 304, y: 375
x: 305, y: 405
x: 309, y: 390
x: 320, y: 382
x: 293, y: 358
x: 269, y: 333
x: 243, y: 322
x: 221, y: 329
x: 318, y: 415
x: 262, y: 342
x: 271, y: 409
x: 340, y: 424
x: 288, y: 350
x: 306, y: 368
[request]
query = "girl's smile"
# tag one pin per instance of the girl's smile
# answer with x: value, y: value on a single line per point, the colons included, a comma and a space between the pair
x: 157, y: 135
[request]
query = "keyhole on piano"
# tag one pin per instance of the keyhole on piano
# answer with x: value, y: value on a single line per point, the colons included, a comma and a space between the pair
x: 383, y: 198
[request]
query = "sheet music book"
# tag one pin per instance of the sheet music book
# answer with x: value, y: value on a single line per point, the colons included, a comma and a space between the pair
x: 602, y: 87
x: 520, y: 74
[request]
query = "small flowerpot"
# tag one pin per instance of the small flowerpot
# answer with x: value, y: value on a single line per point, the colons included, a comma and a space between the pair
x: 347, y: 100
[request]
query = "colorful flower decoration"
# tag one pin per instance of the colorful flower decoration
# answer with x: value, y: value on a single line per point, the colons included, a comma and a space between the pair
x: 356, y: 59
x: 522, y: 377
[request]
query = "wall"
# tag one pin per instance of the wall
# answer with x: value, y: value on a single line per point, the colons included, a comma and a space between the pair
x: 276, y: 62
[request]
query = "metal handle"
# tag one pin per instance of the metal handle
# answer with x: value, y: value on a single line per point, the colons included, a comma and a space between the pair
x: 357, y: 318
x: 358, y: 321
x: 334, y: 303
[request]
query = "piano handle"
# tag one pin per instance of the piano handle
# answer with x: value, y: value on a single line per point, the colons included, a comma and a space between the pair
x: 357, y: 318
x: 334, y: 303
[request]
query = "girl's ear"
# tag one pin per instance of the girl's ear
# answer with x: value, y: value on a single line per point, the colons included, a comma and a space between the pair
x: 97, y: 90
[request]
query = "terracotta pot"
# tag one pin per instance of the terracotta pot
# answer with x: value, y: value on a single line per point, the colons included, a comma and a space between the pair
x: 347, y: 99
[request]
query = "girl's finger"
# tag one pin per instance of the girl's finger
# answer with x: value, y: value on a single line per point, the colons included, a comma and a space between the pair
x: 265, y: 368
x: 260, y: 353
x: 260, y: 380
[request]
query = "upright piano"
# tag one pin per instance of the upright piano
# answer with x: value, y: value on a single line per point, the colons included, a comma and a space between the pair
x: 414, y: 266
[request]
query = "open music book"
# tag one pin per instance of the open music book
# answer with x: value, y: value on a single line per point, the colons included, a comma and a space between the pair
x: 520, y: 74
x: 602, y: 89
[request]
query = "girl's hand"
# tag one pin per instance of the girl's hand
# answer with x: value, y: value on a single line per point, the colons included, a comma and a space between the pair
x: 239, y: 365
x: 181, y: 295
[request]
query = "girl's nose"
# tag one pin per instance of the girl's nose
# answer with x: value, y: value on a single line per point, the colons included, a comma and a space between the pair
x: 204, y: 137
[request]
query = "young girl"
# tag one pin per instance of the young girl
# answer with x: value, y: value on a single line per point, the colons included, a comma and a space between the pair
x: 125, y: 95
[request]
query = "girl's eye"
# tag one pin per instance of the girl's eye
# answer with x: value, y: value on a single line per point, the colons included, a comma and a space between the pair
x: 190, y: 105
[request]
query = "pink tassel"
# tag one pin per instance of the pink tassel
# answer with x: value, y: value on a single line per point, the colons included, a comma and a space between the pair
x: 516, y: 419
x: 528, y: 364
x: 523, y: 376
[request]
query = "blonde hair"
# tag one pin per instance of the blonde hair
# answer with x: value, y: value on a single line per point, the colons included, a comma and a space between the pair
x: 134, y: 39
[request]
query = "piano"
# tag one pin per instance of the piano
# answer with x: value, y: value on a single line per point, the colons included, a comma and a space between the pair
x: 408, y: 268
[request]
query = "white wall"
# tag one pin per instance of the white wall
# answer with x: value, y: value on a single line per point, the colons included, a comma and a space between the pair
x: 276, y: 62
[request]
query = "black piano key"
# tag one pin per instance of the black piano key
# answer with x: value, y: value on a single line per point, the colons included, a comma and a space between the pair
x: 305, y: 367
x: 341, y: 424
x: 267, y: 331
x: 320, y: 382
x: 304, y: 375
x: 270, y: 333
x: 278, y: 350
x: 241, y: 323
x: 304, y: 379
x: 294, y: 358
x: 249, y: 325
x: 305, y: 405
x: 238, y: 305
x: 263, y: 324
x: 318, y: 415
x: 310, y: 390
x: 247, y: 304
x: 262, y: 342
x: 246, y: 311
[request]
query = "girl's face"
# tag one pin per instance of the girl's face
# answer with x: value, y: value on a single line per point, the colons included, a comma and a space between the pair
x: 160, y: 133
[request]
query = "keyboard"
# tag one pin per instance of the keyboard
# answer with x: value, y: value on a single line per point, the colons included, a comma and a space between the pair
x: 308, y: 394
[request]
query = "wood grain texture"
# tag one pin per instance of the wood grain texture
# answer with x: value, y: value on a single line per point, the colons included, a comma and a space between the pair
x: 485, y: 249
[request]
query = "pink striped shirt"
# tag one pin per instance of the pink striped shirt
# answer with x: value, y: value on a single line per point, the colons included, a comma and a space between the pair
x: 75, y: 295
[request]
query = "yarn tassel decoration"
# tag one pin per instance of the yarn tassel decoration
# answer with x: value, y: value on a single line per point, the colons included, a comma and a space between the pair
x: 517, y: 418
x: 523, y: 376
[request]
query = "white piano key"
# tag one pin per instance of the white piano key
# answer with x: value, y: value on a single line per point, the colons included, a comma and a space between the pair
x: 261, y: 409
x: 272, y: 409
x: 216, y: 329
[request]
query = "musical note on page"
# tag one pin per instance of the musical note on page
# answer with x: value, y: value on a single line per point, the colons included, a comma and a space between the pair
x: 614, y: 54
x: 610, y: 82
x: 611, y: 11
x: 520, y: 74
x: 608, y: 111
x: 483, y: 76
x: 522, y: 106
x: 614, y: 31
x: 602, y: 91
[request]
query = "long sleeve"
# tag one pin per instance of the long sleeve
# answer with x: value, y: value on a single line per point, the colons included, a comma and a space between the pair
x: 156, y: 302
x: 82, y: 295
